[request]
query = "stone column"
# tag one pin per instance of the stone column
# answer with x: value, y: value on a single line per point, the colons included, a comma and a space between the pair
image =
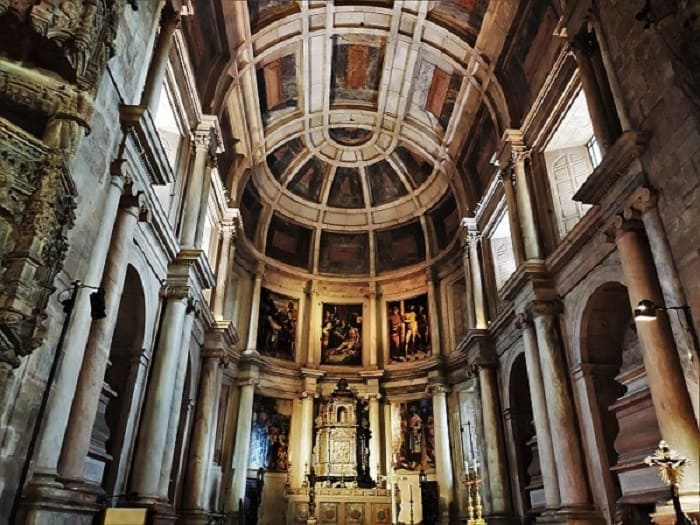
x: 59, y: 404
x: 249, y: 378
x: 148, y: 459
x: 204, y: 198
x: 198, y: 176
x: 471, y: 320
x: 443, y: 463
x: 193, y: 310
x: 433, y: 313
x: 306, y: 431
x: 92, y: 371
x: 526, y: 213
x: 644, y: 201
x: 594, y: 100
x: 372, y: 380
x: 545, y: 450
x: 472, y: 238
x: 573, y: 489
x: 495, y: 449
x: 512, y: 204
x: 228, y: 250
x: 672, y: 405
x: 169, y: 22
x: 251, y: 346
x: 195, y: 493
x: 372, y: 325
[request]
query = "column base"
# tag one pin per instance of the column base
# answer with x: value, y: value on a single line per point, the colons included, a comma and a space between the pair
x: 48, y: 501
x: 194, y: 517
x: 571, y: 516
x: 502, y: 519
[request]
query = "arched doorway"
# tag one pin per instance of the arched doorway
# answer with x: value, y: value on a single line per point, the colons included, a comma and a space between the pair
x: 622, y: 416
x: 529, y: 477
x: 120, y: 382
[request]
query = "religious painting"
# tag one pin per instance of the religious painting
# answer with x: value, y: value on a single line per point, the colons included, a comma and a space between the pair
x: 346, y: 190
x: 350, y: 136
x: 417, y: 168
x: 357, y: 68
x: 277, y: 325
x: 269, y: 436
x: 416, y: 443
x: 341, y: 334
x: 288, y: 242
x: 400, y: 246
x: 409, y: 329
x: 277, y: 85
x: 463, y: 17
x: 384, y: 183
x: 446, y: 220
x: 250, y: 208
x: 346, y: 253
x: 282, y: 157
x: 262, y: 12
x: 308, y: 180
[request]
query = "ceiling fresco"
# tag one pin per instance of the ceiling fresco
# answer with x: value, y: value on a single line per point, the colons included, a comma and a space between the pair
x: 353, y: 119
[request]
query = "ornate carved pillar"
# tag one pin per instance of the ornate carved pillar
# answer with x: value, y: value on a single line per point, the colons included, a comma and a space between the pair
x: 198, y: 181
x: 495, y: 449
x: 539, y: 412
x: 591, y: 90
x: 644, y: 202
x: 443, y: 461
x: 92, y: 371
x: 472, y: 237
x: 249, y: 377
x: 227, y: 253
x: 150, y: 449
x: 59, y: 405
x: 251, y: 346
x: 573, y: 489
x: 526, y: 214
x: 516, y: 235
x: 169, y: 22
x: 672, y: 405
x: 206, y: 410
x: 176, y: 404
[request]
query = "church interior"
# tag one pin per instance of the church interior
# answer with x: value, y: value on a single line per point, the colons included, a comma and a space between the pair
x: 349, y: 262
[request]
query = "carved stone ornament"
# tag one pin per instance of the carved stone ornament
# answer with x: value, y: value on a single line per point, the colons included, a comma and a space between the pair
x: 81, y: 32
x: 37, y: 204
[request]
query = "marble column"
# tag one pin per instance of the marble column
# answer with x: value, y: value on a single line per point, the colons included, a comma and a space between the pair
x: 204, y: 198
x: 674, y: 411
x: 195, y: 493
x: 372, y: 324
x: 94, y: 365
x: 644, y: 202
x: 443, y: 462
x: 249, y: 379
x: 150, y: 449
x: 375, y: 429
x: 526, y: 206
x: 433, y: 313
x: 573, y: 489
x: 471, y: 320
x: 591, y: 90
x: 306, y: 431
x: 472, y: 238
x: 169, y: 22
x: 198, y: 176
x: 545, y: 449
x: 176, y: 404
x: 57, y: 412
x: 495, y: 449
x: 252, y: 344
x: 227, y: 253
x: 516, y: 235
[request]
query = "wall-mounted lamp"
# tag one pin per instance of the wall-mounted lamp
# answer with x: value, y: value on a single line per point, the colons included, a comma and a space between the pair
x: 422, y: 477
x: 646, y: 310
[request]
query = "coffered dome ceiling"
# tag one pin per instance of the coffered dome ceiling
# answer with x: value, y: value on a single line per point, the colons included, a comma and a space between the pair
x: 354, y: 113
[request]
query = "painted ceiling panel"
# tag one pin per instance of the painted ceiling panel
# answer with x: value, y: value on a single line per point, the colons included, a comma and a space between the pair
x: 288, y: 242
x: 356, y: 70
x: 384, y: 183
x: 399, y: 247
x: 344, y: 253
x: 346, y: 191
x: 309, y: 179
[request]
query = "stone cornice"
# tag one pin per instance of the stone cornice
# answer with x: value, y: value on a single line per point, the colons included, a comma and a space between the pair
x: 196, y: 259
x: 616, y: 163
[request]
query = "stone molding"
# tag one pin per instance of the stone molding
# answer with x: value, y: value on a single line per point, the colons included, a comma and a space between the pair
x: 642, y: 200
x: 619, y: 225
x: 471, y: 230
x: 545, y: 308
x: 629, y: 147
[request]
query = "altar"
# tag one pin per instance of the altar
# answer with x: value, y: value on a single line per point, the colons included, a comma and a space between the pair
x: 351, y: 506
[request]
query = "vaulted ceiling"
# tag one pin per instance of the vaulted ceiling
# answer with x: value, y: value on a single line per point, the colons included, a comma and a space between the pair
x: 352, y: 118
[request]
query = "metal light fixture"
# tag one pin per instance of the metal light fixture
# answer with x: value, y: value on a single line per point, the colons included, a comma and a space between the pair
x: 646, y: 310
x: 422, y: 477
